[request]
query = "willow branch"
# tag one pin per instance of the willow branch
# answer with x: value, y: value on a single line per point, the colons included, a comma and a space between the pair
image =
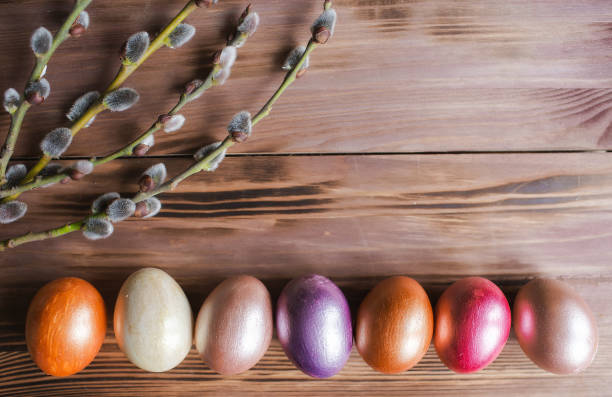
x: 322, y: 29
x: 39, y: 66
x: 124, y: 72
x: 128, y: 149
x: 204, y: 163
x: 172, y: 183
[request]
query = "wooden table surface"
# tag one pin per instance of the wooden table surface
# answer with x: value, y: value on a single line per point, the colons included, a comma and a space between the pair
x: 434, y: 139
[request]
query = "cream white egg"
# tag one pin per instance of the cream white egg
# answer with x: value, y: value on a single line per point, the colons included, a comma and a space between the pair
x: 153, y: 321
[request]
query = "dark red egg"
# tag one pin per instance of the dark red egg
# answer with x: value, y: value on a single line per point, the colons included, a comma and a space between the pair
x: 472, y: 324
x: 65, y: 326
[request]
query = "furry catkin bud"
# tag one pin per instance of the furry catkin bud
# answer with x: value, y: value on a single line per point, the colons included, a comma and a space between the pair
x: 15, y: 174
x: 100, y: 204
x: 80, y: 25
x: 174, y: 123
x: 227, y: 57
x: 80, y: 106
x: 80, y: 169
x: 152, y: 177
x: 83, y: 19
x: 205, y: 3
x: 148, y: 208
x: 143, y: 147
x: 323, y: 27
x: 180, y: 35
x: 41, y: 41
x: 11, y: 211
x: 121, y: 99
x: 37, y: 91
x: 221, y: 76
x: 83, y: 166
x: 146, y: 184
x: 206, y: 150
x: 163, y: 118
x: 248, y: 24
x: 192, y: 86
x: 240, y: 126
x: 120, y: 209
x: 294, y: 57
x: 140, y: 150
x: 149, y: 141
x: 135, y: 47
x: 97, y: 228
x: 12, y: 100
x: 56, y: 142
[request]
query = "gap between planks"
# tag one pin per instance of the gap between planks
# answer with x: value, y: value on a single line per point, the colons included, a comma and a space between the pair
x: 320, y: 154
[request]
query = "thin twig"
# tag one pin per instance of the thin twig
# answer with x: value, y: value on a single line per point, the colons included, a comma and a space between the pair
x: 124, y: 72
x: 24, y: 106
x: 172, y: 183
x: 128, y: 149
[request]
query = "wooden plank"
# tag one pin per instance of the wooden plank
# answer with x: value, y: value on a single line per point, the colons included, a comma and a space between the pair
x: 432, y: 216
x: 398, y: 76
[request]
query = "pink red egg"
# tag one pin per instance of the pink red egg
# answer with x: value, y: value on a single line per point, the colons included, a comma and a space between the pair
x: 554, y: 326
x: 472, y: 320
x: 313, y: 323
x: 65, y: 326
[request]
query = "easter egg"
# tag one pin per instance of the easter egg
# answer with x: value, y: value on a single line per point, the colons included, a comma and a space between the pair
x: 65, y: 326
x: 153, y: 322
x: 313, y: 323
x: 472, y: 324
x: 394, y: 325
x: 554, y: 326
x: 234, y: 326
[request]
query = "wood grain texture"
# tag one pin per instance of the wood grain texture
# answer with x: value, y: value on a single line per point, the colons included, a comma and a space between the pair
x: 399, y: 76
x: 418, y: 75
x: 356, y: 219
x: 511, y: 214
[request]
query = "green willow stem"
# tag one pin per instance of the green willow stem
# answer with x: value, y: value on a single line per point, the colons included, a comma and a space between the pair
x: 124, y: 72
x: 24, y: 106
x: 125, y: 151
x: 128, y: 149
x: 204, y: 163
x: 290, y: 78
x: 171, y: 184
x: 184, y: 100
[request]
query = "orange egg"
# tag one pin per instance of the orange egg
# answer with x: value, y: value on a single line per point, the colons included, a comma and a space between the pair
x: 394, y: 325
x: 65, y: 326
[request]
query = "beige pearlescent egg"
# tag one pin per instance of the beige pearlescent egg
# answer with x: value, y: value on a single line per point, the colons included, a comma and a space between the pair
x: 153, y: 321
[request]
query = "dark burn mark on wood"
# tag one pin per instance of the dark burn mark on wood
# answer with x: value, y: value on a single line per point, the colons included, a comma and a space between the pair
x: 246, y: 204
x: 221, y: 214
x: 394, y: 14
x: 228, y: 195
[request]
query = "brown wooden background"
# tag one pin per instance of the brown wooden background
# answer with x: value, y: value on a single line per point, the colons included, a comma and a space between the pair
x: 435, y: 139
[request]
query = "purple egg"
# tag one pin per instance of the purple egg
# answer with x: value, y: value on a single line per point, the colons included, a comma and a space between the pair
x: 313, y: 322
